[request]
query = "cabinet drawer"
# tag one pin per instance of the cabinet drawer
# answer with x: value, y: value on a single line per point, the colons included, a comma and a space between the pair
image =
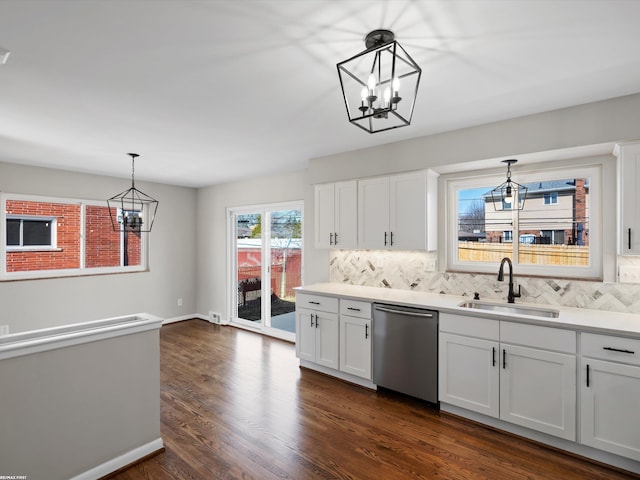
x: 470, y: 326
x: 608, y: 347
x: 547, y: 338
x: 355, y: 308
x: 317, y: 302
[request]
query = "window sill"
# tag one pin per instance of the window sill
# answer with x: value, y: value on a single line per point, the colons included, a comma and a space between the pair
x: 34, y: 249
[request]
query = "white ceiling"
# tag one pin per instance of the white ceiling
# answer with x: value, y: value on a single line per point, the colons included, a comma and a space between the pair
x: 215, y: 91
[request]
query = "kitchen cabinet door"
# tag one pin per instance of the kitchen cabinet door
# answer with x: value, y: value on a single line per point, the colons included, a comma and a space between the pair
x: 336, y: 215
x: 355, y: 346
x: 346, y: 215
x: 469, y: 373
x: 408, y: 211
x: 327, y: 335
x: 305, y: 335
x: 317, y: 337
x: 609, y: 416
x: 628, y: 198
x: 538, y: 390
x: 373, y: 213
x: 324, y: 218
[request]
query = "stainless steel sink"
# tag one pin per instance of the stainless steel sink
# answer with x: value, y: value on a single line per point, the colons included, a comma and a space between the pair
x: 511, y: 308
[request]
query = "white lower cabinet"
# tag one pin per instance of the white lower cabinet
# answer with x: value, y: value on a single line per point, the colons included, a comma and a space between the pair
x: 317, y: 337
x: 610, y: 394
x: 335, y: 333
x: 538, y: 390
x: 317, y: 330
x: 523, y: 374
x: 355, y: 338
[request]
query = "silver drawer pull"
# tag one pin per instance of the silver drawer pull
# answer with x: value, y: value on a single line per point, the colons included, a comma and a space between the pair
x: 354, y: 309
x: 621, y: 350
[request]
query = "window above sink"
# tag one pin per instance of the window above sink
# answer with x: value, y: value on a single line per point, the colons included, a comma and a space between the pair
x: 557, y: 233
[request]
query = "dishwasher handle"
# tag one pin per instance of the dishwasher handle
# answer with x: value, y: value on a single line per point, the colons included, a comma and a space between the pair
x: 402, y: 312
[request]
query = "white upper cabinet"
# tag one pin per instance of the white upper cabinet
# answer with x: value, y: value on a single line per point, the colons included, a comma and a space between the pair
x: 628, y: 198
x: 373, y: 213
x: 336, y: 215
x: 398, y: 212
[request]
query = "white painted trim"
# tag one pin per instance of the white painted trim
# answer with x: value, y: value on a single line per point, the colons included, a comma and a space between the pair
x: 121, y: 461
x: 183, y: 317
x: 27, y: 343
x: 347, y: 377
x: 557, y: 442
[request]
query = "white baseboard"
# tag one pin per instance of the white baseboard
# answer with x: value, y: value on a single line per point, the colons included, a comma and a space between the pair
x: 183, y: 317
x: 189, y: 317
x: 121, y: 461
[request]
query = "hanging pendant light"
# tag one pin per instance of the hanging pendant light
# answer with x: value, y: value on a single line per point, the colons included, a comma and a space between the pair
x: 505, y: 196
x: 380, y: 84
x: 132, y: 210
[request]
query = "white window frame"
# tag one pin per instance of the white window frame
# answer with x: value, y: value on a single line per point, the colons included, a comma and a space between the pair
x: 68, y: 272
x: 552, y: 197
x: 456, y: 182
x: 33, y: 248
x: 232, y: 292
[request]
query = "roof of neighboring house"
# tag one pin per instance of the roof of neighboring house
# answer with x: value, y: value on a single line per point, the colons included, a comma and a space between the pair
x: 537, y: 188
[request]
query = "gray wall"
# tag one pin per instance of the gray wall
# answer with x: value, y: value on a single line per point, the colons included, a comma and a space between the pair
x: 34, y: 304
x: 71, y: 409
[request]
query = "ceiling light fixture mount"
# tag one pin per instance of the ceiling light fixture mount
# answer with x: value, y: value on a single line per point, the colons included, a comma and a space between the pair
x: 505, y: 194
x: 132, y: 210
x: 372, y: 80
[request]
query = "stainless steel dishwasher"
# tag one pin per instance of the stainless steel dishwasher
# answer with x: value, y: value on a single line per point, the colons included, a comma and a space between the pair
x: 405, y: 350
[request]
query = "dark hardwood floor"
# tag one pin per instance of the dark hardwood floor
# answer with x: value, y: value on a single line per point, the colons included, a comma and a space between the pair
x: 235, y: 404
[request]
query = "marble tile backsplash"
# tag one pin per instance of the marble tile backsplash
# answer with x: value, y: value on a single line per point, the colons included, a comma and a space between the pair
x: 411, y: 270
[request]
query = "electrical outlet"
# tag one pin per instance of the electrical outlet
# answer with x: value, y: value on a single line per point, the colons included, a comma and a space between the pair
x: 214, y: 317
x: 4, y: 330
x: 179, y: 302
x: 629, y: 274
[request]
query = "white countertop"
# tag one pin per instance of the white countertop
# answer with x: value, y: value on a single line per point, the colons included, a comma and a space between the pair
x: 599, y: 321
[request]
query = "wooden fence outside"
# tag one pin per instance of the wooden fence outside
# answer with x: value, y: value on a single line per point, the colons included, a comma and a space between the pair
x: 570, y: 255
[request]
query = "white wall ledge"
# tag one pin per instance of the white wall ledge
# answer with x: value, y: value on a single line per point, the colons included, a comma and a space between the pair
x: 34, y: 341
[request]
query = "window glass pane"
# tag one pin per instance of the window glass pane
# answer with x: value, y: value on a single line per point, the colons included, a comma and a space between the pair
x: 484, y: 233
x: 249, y: 264
x: 554, y: 224
x: 36, y: 232
x: 13, y: 232
x: 105, y: 247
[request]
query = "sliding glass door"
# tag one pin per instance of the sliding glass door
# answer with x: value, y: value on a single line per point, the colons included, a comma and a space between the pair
x: 267, y: 265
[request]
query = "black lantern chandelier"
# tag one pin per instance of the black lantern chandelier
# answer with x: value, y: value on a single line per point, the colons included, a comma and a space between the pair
x: 380, y: 84
x: 132, y: 210
x: 506, y: 194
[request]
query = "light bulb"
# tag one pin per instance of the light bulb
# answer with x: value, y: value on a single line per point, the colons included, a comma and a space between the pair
x: 396, y: 86
x: 508, y: 198
x: 371, y: 83
x: 363, y: 94
x: 387, y: 96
